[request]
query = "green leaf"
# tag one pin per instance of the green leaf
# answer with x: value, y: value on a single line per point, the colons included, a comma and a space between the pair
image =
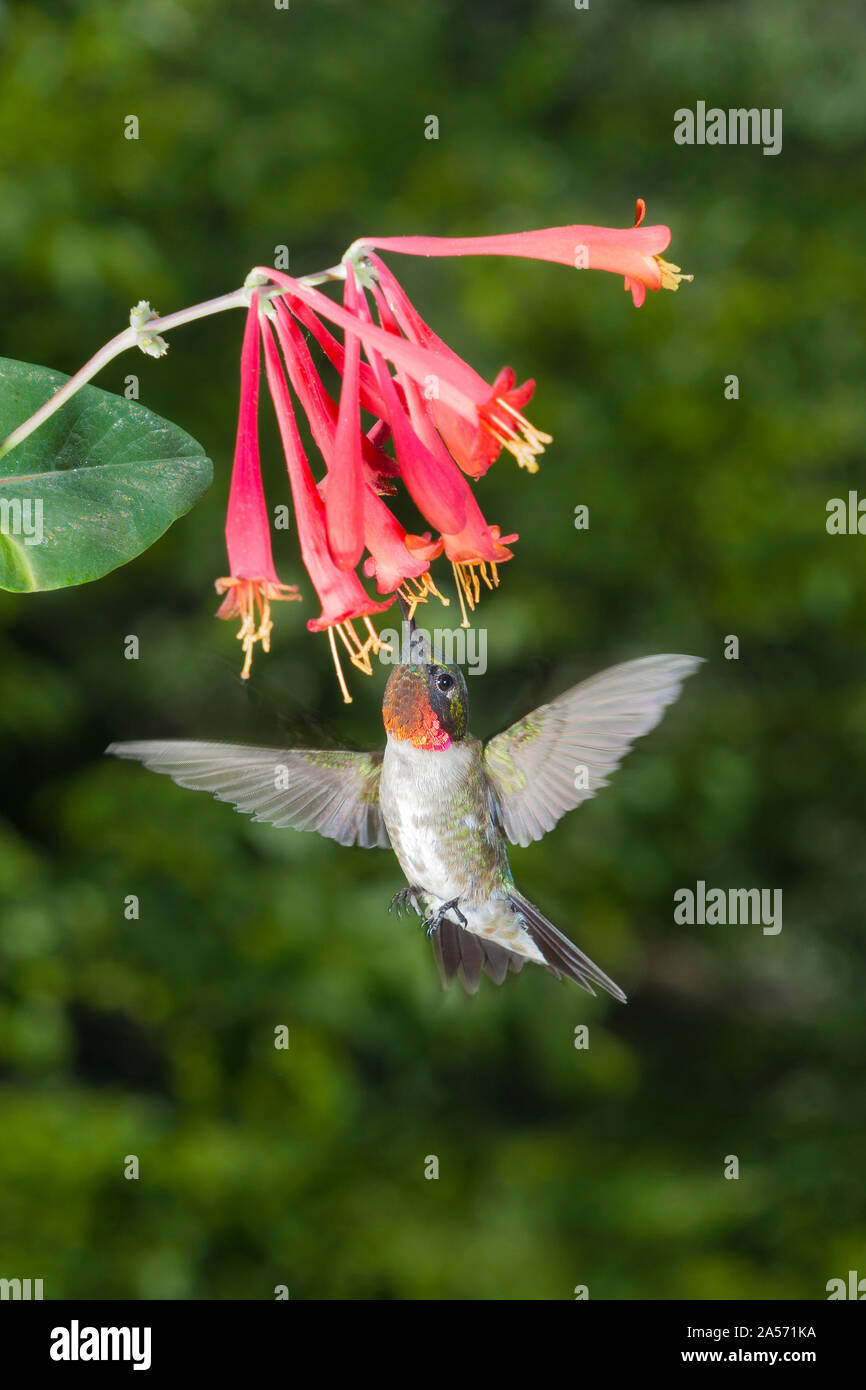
x: 93, y: 487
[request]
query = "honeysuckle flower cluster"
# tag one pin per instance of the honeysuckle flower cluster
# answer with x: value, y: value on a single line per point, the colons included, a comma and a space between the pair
x: 412, y: 416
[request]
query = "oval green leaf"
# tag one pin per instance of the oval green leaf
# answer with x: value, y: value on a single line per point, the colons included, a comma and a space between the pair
x: 93, y: 487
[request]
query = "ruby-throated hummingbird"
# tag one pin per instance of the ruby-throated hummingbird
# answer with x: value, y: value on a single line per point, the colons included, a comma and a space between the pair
x: 445, y: 802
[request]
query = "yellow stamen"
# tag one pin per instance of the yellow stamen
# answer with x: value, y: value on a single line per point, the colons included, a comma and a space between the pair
x: 521, y: 438
x: 358, y: 650
x: 516, y: 447
x: 376, y: 643
x: 347, y: 699
x: 423, y: 586
x: 251, y: 598
x: 525, y: 425
x: 411, y: 597
x: 468, y: 575
x: 671, y: 274
x: 458, y: 582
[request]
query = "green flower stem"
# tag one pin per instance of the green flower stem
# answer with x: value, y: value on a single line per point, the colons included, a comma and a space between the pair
x: 129, y: 338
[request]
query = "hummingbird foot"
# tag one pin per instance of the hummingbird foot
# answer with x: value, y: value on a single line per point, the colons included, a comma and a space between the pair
x: 407, y: 899
x: 432, y: 924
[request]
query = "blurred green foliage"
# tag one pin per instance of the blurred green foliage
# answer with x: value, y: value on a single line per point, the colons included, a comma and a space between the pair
x: 305, y: 127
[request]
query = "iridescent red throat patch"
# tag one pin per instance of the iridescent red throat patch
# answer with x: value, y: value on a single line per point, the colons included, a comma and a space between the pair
x: 407, y: 713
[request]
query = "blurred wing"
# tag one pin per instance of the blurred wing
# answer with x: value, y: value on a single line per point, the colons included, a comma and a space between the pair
x: 331, y: 791
x: 536, y: 768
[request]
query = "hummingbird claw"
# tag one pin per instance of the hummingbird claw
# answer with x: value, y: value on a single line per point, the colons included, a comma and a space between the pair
x: 452, y: 907
x: 431, y: 924
x: 405, y: 899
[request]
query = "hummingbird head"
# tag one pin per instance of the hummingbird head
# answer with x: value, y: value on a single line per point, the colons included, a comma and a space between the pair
x: 426, y: 703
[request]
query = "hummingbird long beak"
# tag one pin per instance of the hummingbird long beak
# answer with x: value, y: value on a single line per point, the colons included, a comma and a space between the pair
x: 407, y: 615
x: 414, y: 639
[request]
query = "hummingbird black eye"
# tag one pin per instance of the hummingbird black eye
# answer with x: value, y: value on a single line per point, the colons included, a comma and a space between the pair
x: 444, y: 682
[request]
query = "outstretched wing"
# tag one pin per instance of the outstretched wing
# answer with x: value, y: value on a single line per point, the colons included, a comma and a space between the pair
x: 558, y: 756
x: 331, y: 791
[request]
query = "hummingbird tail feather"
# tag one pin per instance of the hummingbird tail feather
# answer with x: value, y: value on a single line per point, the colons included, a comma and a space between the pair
x: 561, y: 955
x: 459, y: 950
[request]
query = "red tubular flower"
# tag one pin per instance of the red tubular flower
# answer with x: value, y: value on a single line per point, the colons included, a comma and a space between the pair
x: 476, y: 545
x: 432, y: 481
x: 344, y: 502
x: 473, y: 546
x: 396, y: 556
x: 437, y: 489
x: 446, y: 421
x: 369, y: 387
x: 501, y: 425
x: 471, y: 550
x: 253, y: 581
x: 460, y: 394
x: 318, y: 406
x: 459, y: 386
x: 631, y: 251
x: 340, y: 591
x: 474, y: 444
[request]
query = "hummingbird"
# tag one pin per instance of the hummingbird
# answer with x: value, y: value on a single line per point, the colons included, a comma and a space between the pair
x: 446, y: 803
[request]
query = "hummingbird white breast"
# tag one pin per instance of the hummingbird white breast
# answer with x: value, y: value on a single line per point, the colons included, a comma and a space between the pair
x: 438, y: 820
x: 437, y: 813
x: 433, y: 811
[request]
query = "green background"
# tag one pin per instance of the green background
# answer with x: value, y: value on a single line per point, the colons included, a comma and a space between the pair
x: 558, y: 1167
